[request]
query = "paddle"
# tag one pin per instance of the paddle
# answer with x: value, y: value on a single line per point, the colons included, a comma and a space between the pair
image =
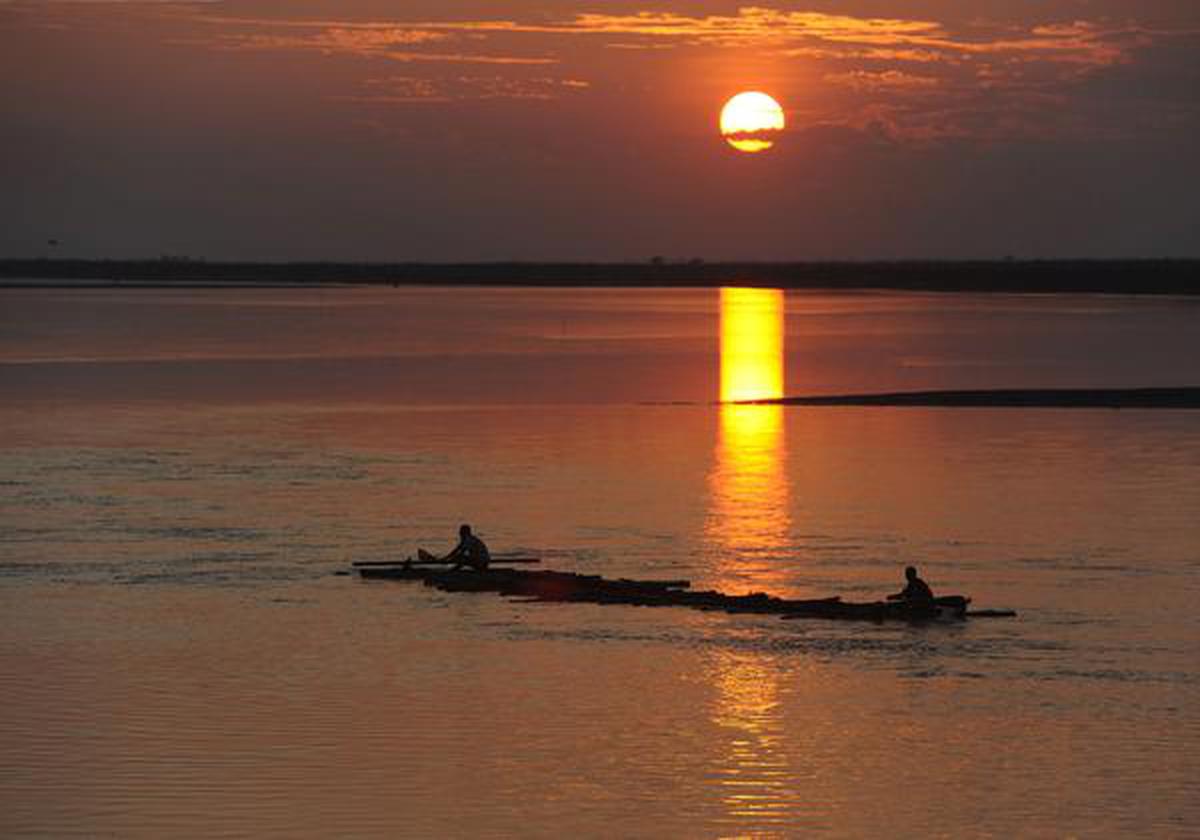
x: 434, y: 561
x: 495, y: 561
x: 424, y: 556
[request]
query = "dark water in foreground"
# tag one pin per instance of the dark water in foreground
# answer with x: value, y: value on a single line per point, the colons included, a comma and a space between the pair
x: 177, y: 658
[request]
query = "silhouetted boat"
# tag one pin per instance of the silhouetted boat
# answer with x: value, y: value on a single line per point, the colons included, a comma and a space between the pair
x: 543, y: 586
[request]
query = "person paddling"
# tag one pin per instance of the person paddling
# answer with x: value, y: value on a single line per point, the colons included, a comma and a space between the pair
x: 470, y: 551
x: 917, y: 591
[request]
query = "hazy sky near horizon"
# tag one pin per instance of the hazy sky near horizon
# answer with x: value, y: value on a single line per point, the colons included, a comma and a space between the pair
x: 414, y: 130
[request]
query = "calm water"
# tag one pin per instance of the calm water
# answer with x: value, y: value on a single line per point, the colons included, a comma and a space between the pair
x: 182, y: 472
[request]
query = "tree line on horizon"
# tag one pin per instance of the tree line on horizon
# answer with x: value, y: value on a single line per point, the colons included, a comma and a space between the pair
x: 1140, y: 276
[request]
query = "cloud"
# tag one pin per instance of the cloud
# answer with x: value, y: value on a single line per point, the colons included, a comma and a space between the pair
x: 750, y: 26
x: 1083, y: 45
x: 414, y: 89
x: 470, y: 58
x: 389, y: 42
x: 916, y: 77
x: 881, y: 80
x: 335, y: 39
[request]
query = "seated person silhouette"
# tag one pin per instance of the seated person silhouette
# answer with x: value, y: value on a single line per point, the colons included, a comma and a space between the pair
x: 470, y: 551
x: 917, y: 592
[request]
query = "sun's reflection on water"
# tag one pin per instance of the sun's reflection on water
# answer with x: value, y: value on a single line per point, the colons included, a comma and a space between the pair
x: 748, y: 525
x: 748, y: 514
x: 754, y: 776
x: 748, y: 484
x: 751, y: 344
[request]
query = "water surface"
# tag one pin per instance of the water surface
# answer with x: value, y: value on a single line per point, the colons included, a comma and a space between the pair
x: 183, y: 471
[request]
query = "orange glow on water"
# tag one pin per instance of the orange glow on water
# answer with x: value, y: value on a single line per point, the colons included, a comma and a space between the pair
x: 754, y: 772
x: 751, y: 344
x: 749, y: 484
x: 749, y: 513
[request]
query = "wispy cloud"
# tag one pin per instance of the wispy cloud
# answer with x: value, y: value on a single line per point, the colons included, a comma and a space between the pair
x: 917, y: 77
x: 401, y: 41
x: 750, y: 26
x: 415, y: 89
x: 881, y: 80
x: 795, y: 33
x: 334, y: 39
x: 375, y: 41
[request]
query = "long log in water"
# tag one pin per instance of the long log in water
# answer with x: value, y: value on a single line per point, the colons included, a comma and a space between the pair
x: 566, y: 587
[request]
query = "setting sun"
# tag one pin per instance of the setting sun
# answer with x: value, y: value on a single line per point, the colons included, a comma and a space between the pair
x: 750, y: 121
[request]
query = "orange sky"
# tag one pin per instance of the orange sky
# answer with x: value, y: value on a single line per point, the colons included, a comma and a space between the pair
x: 387, y: 129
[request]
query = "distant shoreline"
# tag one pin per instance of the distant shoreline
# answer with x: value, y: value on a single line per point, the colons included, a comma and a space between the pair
x: 1187, y: 397
x: 1126, y: 277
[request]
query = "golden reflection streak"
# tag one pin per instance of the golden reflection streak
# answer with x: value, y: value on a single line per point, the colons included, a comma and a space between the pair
x: 748, y: 518
x: 751, y: 344
x: 754, y: 773
x: 748, y: 484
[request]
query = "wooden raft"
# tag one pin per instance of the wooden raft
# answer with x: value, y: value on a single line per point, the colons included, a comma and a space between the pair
x: 544, y: 586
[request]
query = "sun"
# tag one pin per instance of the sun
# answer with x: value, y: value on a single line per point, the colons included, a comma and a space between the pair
x: 751, y: 121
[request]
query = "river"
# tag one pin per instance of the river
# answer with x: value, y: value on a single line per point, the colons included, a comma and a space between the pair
x: 183, y: 472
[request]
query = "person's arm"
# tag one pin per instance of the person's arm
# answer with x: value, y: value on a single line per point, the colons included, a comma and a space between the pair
x: 911, y: 592
x: 455, y: 553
